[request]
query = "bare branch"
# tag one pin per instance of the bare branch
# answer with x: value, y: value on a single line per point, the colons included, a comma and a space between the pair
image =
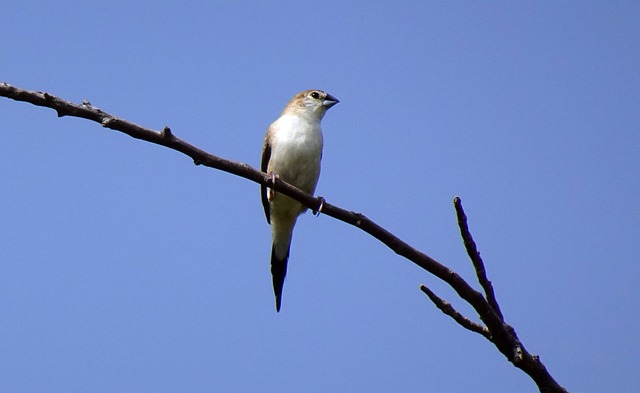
x: 474, y: 254
x: 501, y: 335
x: 448, y: 309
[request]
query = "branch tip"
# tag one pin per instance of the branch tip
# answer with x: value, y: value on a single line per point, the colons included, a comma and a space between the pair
x: 476, y: 260
x: 449, y: 310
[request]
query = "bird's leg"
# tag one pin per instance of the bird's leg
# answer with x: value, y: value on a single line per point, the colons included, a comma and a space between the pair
x: 272, y: 192
x: 317, y: 213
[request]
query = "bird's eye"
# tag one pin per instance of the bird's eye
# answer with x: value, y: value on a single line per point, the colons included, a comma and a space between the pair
x: 315, y: 95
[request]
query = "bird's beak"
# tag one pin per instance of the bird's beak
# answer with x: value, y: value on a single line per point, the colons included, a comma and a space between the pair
x: 329, y: 101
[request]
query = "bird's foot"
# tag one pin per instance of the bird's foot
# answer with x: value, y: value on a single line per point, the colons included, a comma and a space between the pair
x: 317, y: 212
x: 273, y: 177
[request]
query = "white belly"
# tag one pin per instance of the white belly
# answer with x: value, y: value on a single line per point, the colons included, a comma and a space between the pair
x: 296, y: 152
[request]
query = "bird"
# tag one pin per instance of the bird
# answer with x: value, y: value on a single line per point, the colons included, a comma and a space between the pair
x: 292, y: 153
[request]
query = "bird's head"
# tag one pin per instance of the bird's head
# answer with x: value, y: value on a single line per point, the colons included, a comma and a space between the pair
x: 311, y: 103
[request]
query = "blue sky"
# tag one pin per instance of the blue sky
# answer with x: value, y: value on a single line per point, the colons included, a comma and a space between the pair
x: 127, y: 268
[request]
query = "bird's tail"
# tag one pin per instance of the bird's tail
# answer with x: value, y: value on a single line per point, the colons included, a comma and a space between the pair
x: 278, y: 272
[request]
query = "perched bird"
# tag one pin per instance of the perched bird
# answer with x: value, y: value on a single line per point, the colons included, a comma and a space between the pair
x: 292, y: 152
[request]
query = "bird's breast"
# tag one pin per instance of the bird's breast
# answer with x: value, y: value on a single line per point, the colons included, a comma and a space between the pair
x: 296, y: 152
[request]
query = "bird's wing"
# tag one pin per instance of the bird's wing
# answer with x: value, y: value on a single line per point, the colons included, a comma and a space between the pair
x: 264, y: 164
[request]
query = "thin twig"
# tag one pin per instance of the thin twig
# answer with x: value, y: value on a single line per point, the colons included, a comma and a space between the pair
x: 449, y: 310
x: 474, y: 254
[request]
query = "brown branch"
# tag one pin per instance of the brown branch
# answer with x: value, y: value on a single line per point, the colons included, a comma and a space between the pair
x: 449, y: 310
x: 502, y: 335
x: 474, y: 254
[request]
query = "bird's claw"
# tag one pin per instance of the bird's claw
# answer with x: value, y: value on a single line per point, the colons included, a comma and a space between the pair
x: 317, y: 212
x: 273, y: 177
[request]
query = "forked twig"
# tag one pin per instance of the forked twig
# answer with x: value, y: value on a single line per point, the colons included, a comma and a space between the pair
x: 474, y: 254
x: 448, y: 309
